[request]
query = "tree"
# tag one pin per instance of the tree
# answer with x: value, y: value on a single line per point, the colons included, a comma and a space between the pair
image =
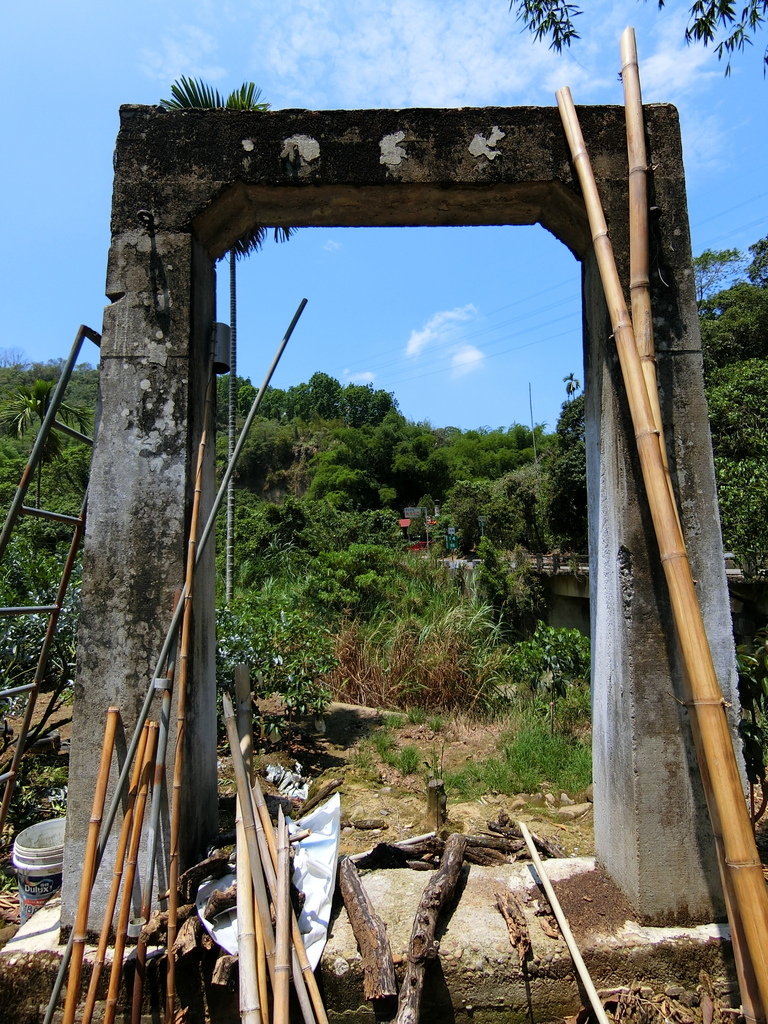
x: 189, y: 93
x: 567, y: 472
x: 27, y: 406
x: 713, y: 269
x: 572, y: 385
x: 734, y: 325
x: 730, y: 29
x: 757, y: 271
x: 736, y: 395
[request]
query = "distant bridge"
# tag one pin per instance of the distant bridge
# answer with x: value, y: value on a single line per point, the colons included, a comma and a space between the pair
x: 567, y: 586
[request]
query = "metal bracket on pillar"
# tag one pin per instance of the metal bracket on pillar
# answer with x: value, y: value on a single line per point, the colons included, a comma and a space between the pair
x: 221, y: 335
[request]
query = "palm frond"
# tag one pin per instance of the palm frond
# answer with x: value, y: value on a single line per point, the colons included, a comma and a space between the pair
x: 246, y: 98
x: 191, y: 92
x: 254, y: 239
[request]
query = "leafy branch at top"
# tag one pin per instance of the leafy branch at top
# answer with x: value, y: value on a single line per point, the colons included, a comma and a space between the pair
x: 708, y: 19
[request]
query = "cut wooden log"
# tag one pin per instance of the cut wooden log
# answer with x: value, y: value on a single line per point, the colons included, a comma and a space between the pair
x: 225, y: 972
x: 188, y: 937
x: 371, y: 935
x: 423, y: 946
x: 509, y: 846
x: 155, y: 931
x: 503, y: 828
x: 512, y: 911
x: 212, y: 867
x: 323, y: 792
x: 484, y: 856
x: 219, y: 901
x: 437, y: 803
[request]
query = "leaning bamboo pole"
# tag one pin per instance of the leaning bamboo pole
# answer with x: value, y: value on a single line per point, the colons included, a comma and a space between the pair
x: 181, y: 707
x: 703, y: 690
x: 89, y: 867
x: 642, y: 324
x: 153, y: 828
x: 565, y: 929
x: 123, y: 918
x: 247, y: 952
x: 246, y: 810
x: 639, y: 250
x: 265, y: 834
x: 282, y: 928
x: 117, y: 875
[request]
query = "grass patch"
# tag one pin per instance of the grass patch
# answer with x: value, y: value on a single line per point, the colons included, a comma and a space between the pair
x: 527, y: 760
x: 436, y: 723
x: 417, y: 716
x: 407, y: 760
x: 383, y: 744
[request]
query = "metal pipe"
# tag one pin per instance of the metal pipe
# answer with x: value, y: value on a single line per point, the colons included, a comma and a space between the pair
x: 43, y: 513
x: 71, y: 432
x: 34, y: 609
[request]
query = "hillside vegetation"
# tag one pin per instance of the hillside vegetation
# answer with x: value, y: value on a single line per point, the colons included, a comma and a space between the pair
x: 330, y: 596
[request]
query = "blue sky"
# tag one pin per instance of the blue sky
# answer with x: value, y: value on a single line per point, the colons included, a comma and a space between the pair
x: 457, y: 322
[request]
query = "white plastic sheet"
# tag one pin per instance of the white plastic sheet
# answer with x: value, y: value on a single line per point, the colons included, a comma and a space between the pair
x: 314, y: 874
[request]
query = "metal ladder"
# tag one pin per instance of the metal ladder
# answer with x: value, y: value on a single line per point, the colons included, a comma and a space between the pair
x: 17, y: 509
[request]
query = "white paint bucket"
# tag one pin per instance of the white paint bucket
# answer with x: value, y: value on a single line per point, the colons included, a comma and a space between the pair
x: 38, y: 856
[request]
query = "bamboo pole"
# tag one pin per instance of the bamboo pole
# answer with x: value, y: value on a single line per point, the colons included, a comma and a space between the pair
x: 703, y: 690
x: 162, y: 659
x: 181, y: 709
x: 247, y: 947
x: 262, y: 975
x: 642, y: 324
x: 121, y: 929
x: 639, y: 269
x: 158, y: 787
x: 117, y: 875
x: 89, y: 867
x: 302, y: 968
x: 282, y: 927
x: 258, y: 848
x: 578, y: 961
x: 246, y: 810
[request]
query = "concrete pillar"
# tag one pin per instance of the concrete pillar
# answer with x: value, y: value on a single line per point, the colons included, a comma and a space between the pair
x: 153, y: 373
x: 652, y: 829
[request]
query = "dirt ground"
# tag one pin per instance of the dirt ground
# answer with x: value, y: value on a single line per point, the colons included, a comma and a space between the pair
x: 379, y: 804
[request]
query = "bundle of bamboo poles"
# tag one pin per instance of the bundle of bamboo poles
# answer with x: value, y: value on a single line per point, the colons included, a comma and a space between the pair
x: 267, y: 857
x: 144, y: 763
x: 741, y: 869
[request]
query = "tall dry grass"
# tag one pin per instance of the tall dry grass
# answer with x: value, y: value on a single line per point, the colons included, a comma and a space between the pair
x: 453, y: 659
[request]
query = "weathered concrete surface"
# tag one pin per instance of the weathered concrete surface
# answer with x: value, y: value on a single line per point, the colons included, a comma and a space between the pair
x: 188, y: 184
x: 477, y: 975
x: 154, y: 355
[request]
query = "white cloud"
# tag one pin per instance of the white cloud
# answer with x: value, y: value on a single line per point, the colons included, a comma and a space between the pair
x: 465, y: 360
x: 185, y: 52
x: 365, y: 377
x: 331, y: 246
x: 439, y: 329
x: 404, y: 53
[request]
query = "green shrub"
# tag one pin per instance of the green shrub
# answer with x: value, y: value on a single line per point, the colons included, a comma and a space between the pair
x: 288, y: 652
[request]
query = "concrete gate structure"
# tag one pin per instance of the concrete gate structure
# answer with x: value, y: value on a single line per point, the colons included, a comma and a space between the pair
x: 187, y: 186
